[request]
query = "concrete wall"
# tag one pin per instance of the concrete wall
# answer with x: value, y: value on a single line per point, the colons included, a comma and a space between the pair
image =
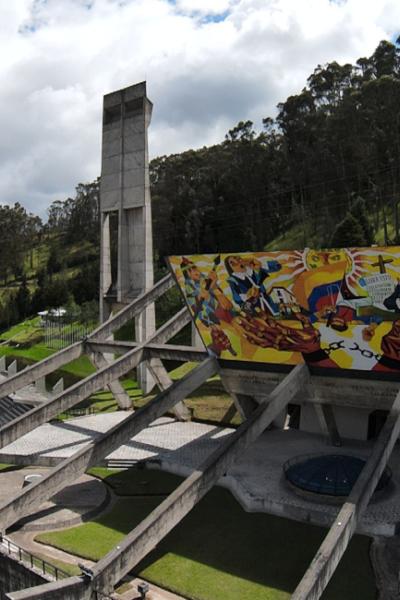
x: 352, y: 423
x: 14, y: 576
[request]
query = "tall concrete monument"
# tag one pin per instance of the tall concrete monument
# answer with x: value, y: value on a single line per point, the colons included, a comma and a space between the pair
x: 126, y: 259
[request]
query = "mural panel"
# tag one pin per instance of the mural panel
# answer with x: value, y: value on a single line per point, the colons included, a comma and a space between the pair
x: 331, y: 308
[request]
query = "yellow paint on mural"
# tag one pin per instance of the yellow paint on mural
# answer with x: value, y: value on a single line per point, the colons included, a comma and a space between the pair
x: 334, y: 308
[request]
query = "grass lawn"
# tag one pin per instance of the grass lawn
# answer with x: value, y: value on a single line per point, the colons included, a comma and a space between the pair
x: 32, y: 354
x: 60, y: 564
x: 24, y: 331
x: 4, y: 467
x: 218, y: 550
x: 79, y: 368
x: 210, y: 403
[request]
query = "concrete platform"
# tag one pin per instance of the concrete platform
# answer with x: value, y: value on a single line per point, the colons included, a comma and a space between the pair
x: 257, y: 479
x: 27, y: 395
x: 74, y: 504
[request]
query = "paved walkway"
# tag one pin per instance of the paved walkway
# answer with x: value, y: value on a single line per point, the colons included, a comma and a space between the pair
x: 48, y: 444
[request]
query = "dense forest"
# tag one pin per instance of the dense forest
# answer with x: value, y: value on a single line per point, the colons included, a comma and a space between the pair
x: 324, y: 172
x: 329, y: 158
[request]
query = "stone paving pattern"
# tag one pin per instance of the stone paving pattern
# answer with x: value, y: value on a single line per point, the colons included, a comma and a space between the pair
x: 257, y: 479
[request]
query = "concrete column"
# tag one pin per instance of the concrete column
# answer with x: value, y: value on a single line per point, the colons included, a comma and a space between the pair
x: 40, y: 385
x: 58, y: 387
x: 105, y: 265
x: 245, y: 405
x: 196, y: 340
x: 12, y: 369
x: 121, y: 396
x: 125, y: 189
x: 163, y: 380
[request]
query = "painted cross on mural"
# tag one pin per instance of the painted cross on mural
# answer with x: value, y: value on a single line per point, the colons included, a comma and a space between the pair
x: 382, y: 263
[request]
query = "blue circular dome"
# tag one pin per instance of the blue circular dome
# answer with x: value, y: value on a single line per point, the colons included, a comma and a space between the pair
x: 331, y: 474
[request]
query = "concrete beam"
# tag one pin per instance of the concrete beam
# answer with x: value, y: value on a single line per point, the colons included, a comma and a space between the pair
x: 88, y: 386
x: 73, y: 395
x: 326, y: 418
x: 73, y: 588
x: 50, y: 364
x: 40, y: 369
x: 120, y: 395
x: 164, y: 381
x: 133, y: 309
x: 335, y: 543
x: 70, y: 469
x: 162, y: 351
x: 244, y: 404
x: 111, y: 568
x: 354, y: 392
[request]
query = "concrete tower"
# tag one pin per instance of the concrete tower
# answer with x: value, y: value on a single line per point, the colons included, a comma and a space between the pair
x: 126, y: 259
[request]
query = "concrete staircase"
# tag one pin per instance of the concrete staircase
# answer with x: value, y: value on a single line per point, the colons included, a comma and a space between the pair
x: 10, y: 410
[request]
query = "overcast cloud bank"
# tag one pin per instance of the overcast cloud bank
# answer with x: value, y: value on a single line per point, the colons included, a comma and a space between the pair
x: 208, y: 64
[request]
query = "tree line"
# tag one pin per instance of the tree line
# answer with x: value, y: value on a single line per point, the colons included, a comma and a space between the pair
x: 326, y: 163
x: 28, y: 288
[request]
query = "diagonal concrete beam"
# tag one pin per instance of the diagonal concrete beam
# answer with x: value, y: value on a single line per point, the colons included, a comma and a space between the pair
x: 110, y: 569
x: 132, y: 310
x: 163, y: 382
x: 40, y: 369
x: 71, y: 468
x: 50, y: 364
x: 335, y: 543
x: 120, y: 395
x: 327, y: 421
x: 137, y: 544
x: 88, y: 386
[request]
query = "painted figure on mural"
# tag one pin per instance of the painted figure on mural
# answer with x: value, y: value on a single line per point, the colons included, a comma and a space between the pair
x: 199, y: 293
x: 333, y: 308
x: 271, y: 333
x: 246, y: 277
x: 208, y: 304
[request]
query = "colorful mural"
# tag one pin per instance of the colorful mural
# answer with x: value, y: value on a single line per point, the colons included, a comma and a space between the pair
x: 329, y: 308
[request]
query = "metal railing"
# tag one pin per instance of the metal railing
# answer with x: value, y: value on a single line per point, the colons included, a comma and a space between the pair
x: 30, y: 560
x: 81, y: 412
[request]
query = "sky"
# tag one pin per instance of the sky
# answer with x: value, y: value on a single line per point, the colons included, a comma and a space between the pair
x: 208, y: 64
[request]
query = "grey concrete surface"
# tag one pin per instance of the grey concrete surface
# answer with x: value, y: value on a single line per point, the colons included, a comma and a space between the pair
x: 142, y: 539
x: 321, y: 569
x: 92, y: 383
x: 29, y: 394
x: 75, y: 503
x: 125, y: 188
x: 93, y: 453
x: 256, y: 480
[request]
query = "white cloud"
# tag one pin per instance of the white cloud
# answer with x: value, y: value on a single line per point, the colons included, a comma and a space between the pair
x: 208, y: 64
x: 204, y: 7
